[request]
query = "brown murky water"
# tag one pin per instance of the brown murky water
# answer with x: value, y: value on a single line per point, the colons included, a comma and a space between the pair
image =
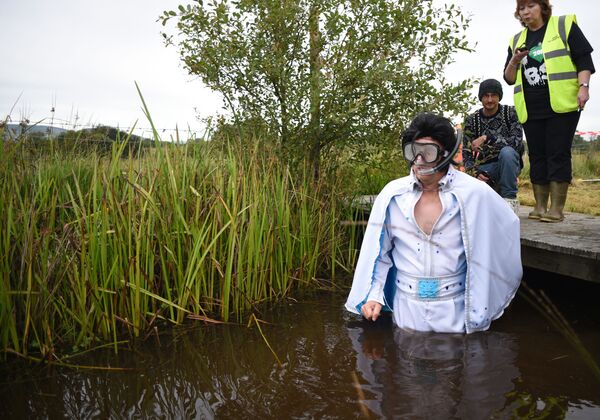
x: 334, y: 365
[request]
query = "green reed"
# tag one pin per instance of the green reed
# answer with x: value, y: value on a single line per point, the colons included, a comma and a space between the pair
x: 95, y: 248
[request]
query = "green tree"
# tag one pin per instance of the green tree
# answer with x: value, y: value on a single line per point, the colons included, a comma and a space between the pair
x: 325, y: 74
x: 578, y: 141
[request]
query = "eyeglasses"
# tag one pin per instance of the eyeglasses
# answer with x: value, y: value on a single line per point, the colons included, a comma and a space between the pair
x: 429, y: 152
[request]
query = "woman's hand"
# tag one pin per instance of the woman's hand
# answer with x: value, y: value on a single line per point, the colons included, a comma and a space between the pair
x: 510, y: 73
x: 583, y: 96
x: 518, y: 56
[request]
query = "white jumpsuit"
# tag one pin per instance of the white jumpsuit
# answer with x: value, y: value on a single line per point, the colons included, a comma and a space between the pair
x: 430, y: 269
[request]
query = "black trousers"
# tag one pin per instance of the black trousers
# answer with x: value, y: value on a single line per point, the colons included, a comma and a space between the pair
x: 549, y: 144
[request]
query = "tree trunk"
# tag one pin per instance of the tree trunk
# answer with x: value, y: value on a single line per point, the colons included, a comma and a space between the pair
x: 315, y: 89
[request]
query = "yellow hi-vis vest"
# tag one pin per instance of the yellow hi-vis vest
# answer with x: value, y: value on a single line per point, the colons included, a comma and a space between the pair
x: 562, y: 73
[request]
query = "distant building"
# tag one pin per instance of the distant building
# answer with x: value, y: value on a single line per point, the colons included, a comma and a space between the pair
x: 588, y: 135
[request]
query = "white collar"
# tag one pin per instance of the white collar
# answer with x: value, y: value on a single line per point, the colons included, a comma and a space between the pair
x: 444, y: 184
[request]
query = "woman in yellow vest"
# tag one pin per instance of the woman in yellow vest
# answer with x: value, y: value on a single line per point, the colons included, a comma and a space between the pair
x: 550, y: 64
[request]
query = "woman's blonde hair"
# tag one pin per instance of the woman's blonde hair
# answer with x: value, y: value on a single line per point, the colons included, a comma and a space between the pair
x: 544, y: 4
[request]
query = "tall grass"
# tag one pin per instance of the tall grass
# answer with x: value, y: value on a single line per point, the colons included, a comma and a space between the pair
x: 585, y: 165
x: 583, y: 197
x: 94, y: 248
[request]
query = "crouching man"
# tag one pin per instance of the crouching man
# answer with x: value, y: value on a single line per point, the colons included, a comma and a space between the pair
x: 493, y: 143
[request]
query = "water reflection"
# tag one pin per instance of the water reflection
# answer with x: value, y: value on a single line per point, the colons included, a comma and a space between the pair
x: 430, y: 375
x: 521, y: 369
x: 208, y: 372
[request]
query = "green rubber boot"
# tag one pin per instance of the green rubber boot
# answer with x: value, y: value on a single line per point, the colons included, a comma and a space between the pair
x: 558, y: 197
x: 540, y: 193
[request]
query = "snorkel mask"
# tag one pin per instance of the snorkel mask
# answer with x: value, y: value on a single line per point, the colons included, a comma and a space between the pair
x: 430, y: 153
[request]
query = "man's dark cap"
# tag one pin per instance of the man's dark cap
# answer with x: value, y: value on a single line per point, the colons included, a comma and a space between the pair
x: 490, y: 86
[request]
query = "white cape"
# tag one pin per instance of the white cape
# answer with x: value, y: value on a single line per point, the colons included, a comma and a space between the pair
x: 490, y: 234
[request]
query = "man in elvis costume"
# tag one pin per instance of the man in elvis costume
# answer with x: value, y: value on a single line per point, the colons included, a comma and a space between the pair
x: 441, y: 250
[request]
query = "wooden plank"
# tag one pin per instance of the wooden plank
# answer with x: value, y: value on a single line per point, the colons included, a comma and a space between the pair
x: 570, y: 248
x: 563, y: 264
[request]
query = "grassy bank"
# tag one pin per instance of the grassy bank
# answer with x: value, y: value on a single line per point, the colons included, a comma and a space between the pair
x: 95, y: 248
x: 583, y: 197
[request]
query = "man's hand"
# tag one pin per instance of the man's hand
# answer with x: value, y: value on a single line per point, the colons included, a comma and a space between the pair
x: 476, y: 144
x: 482, y: 177
x: 371, y: 310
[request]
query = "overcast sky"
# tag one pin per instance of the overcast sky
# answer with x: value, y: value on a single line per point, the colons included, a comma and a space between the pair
x: 83, y: 57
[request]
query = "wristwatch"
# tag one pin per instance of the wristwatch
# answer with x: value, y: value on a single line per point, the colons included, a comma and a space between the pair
x: 587, y: 85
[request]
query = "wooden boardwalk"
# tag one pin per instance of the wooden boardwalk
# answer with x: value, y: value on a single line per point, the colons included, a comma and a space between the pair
x: 570, y: 248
